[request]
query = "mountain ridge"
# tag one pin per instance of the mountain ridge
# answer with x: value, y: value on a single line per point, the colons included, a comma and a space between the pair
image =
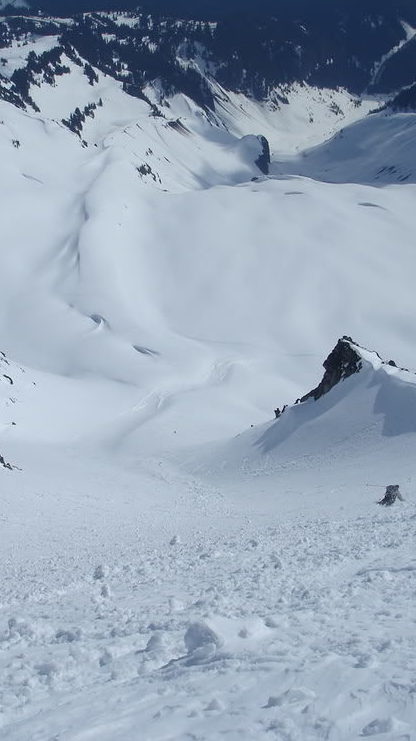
x: 360, y: 51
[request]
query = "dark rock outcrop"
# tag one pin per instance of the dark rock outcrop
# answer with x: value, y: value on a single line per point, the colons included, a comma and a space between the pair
x: 5, y: 464
x: 341, y: 363
x: 263, y: 161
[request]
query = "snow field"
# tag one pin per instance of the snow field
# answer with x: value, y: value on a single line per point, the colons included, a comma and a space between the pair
x: 289, y: 630
x: 122, y: 267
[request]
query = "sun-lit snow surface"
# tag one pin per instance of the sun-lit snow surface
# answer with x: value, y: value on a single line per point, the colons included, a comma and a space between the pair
x: 165, y: 574
x: 253, y: 593
x: 377, y: 150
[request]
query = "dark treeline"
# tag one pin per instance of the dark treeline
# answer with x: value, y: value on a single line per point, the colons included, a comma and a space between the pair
x: 253, y: 47
x: 303, y: 10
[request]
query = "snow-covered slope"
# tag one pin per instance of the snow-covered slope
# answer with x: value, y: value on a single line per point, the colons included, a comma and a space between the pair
x: 293, y: 117
x: 103, y: 265
x: 61, y: 85
x: 376, y: 150
x: 363, y: 407
x: 264, y: 592
x: 174, y: 564
x: 100, y: 275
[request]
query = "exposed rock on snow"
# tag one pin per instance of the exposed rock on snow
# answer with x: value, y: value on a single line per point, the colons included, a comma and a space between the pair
x: 361, y: 397
x: 341, y: 363
x: 5, y: 464
x: 263, y: 161
x: 346, y: 359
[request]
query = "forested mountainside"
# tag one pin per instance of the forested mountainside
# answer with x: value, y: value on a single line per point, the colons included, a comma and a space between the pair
x: 369, y: 46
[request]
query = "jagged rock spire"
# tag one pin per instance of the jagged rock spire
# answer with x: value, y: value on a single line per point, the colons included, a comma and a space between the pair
x: 341, y: 363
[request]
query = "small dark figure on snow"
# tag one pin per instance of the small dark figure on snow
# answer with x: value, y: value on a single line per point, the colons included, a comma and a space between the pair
x: 392, y: 493
x: 278, y: 413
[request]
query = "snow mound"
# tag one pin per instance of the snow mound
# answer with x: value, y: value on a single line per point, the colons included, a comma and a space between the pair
x: 199, y: 635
